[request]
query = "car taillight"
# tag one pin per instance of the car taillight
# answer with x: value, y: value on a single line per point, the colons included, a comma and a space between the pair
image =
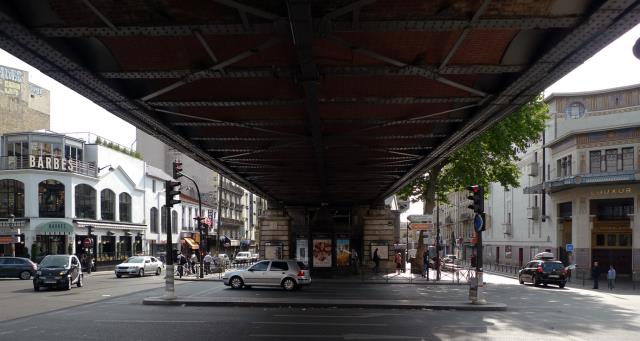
x: 300, y: 273
x: 539, y: 269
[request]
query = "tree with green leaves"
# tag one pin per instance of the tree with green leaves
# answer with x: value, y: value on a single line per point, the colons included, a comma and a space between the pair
x: 491, y: 157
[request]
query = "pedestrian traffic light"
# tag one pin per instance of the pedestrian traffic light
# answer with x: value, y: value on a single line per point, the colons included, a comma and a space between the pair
x: 477, y: 196
x: 177, y: 169
x: 172, y: 190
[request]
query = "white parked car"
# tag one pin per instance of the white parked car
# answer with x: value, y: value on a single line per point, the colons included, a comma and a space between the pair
x: 139, y: 266
x: 242, y: 257
x: 288, y: 274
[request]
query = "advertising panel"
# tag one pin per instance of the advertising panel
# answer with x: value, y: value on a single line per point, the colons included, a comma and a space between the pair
x: 383, y: 250
x: 343, y: 254
x: 322, y: 253
x: 302, y: 254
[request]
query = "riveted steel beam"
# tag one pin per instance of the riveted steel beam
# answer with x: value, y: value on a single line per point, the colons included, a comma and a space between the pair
x: 338, y: 71
x: 465, y: 32
x: 281, y: 27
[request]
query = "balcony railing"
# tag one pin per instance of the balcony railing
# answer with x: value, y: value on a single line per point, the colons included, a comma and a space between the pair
x: 50, y: 163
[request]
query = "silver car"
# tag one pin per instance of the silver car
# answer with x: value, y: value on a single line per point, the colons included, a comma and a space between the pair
x: 289, y: 274
x: 139, y: 266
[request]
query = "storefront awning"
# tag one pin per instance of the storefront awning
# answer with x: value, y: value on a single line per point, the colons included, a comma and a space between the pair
x: 55, y: 228
x: 192, y: 243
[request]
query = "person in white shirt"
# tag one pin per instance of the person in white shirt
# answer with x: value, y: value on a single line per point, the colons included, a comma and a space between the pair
x: 207, y: 262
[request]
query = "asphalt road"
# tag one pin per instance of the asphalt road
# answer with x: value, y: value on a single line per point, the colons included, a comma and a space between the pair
x: 533, y: 313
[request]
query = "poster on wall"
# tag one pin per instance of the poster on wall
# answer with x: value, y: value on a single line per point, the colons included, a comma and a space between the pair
x: 383, y: 250
x: 322, y: 253
x: 507, y: 252
x: 343, y: 255
x: 302, y: 253
x: 273, y: 252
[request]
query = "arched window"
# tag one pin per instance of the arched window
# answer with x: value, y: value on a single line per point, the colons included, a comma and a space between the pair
x: 174, y: 222
x: 85, y: 202
x: 107, y: 205
x: 11, y: 198
x: 163, y: 219
x: 51, y: 199
x: 153, y: 220
x: 124, y: 200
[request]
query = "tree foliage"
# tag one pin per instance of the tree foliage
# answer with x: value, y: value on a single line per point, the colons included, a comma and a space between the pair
x: 491, y: 157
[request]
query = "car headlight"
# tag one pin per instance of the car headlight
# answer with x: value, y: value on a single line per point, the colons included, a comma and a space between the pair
x: 62, y: 273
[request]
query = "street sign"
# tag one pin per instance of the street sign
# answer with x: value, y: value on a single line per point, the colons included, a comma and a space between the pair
x: 422, y: 218
x: 477, y: 222
x: 569, y: 247
x: 420, y: 226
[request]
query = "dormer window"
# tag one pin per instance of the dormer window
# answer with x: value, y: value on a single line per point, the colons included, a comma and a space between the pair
x: 575, y: 110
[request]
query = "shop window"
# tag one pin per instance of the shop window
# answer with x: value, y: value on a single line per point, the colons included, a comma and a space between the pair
x: 85, y: 202
x: 107, y: 204
x: 624, y: 240
x: 153, y: 220
x: 11, y: 198
x: 599, y: 239
x: 124, y: 201
x: 51, y: 199
x: 163, y: 219
x: 612, y: 240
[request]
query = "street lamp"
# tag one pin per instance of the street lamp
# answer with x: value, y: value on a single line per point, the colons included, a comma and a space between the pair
x: 11, y: 221
x: 110, y: 168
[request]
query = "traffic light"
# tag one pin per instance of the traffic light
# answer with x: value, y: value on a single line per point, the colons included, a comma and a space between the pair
x: 477, y: 196
x: 177, y: 169
x: 172, y: 189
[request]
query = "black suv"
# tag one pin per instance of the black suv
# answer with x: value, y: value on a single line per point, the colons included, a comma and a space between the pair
x: 543, y: 271
x: 61, y: 271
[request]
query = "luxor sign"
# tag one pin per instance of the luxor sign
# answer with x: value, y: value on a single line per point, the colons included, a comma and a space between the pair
x: 52, y: 163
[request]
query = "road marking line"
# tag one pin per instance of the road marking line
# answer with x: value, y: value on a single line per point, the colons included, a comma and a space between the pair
x: 297, y: 336
x: 324, y: 324
x: 146, y: 321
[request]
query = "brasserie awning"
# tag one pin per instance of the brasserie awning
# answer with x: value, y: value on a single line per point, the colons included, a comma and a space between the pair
x: 192, y: 243
x: 55, y: 228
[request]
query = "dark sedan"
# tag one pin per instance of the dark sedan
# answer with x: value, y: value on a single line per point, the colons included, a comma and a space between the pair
x: 17, y: 267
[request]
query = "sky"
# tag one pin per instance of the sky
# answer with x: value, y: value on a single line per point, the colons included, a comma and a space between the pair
x: 613, y: 66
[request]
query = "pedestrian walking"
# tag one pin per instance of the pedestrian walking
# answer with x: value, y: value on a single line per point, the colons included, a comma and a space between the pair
x: 376, y: 261
x: 425, y: 259
x: 194, y: 259
x: 611, y: 277
x: 595, y: 273
x: 181, y: 261
x: 355, y: 261
x: 398, y: 261
x: 207, y: 263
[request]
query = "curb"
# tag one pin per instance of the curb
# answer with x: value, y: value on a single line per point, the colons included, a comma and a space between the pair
x: 370, y: 304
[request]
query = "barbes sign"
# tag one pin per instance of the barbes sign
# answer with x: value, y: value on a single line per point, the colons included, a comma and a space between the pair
x: 52, y: 163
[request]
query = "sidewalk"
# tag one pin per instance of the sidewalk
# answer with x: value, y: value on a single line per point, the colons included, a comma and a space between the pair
x: 433, y: 294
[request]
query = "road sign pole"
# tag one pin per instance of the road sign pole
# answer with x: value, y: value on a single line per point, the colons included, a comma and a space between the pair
x: 476, y: 290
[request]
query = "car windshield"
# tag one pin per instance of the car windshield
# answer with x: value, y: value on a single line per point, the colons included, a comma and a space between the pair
x: 54, y: 262
x: 552, y: 266
x: 135, y: 260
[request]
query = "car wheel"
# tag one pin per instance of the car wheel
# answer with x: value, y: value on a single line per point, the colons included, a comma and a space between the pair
x: 118, y: 275
x: 69, y: 283
x: 236, y: 282
x: 520, y: 280
x: 141, y: 273
x: 158, y: 272
x: 288, y: 284
x: 561, y: 285
x: 25, y: 275
x: 80, y: 284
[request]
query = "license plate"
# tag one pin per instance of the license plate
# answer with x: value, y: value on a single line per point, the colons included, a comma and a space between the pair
x: 554, y: 276
x: 50, y: 281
